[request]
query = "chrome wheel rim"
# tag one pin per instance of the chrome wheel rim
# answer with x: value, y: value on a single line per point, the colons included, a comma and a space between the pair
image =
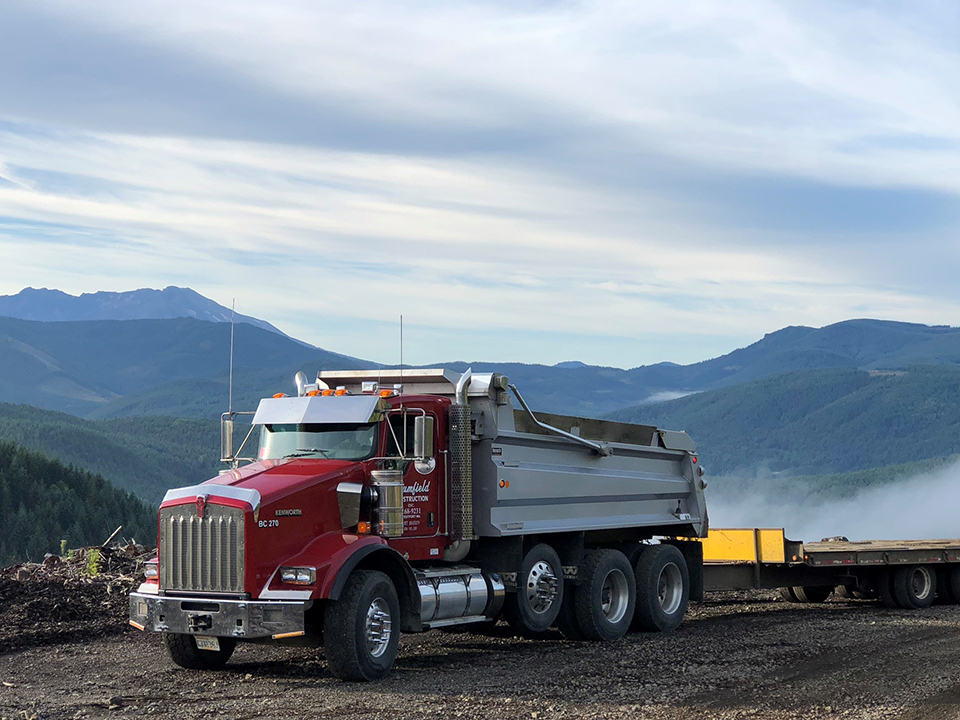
x: 670, y: 588
x: 379, y: 627
x: 614, y: 596
x: 542, y: 587
x: 921, y: 583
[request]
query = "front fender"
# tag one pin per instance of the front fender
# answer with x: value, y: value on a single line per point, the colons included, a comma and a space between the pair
x: 328, y: 554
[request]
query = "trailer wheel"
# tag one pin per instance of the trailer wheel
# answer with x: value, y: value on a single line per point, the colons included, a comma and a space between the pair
x: 845, y: 591
x: 944, y: 591
x: 606, y: 598
x: 361, y: 630
x: 885, y: 589
x: 954, y: 582
x: 184, y: 652
x: 812, y: 593
x: 534, y: 607
x: 663, y: 589
x: 787, y: 594
x: 914, y: 586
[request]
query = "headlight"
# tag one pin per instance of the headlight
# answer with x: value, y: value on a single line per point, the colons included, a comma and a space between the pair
x: 298, y: 575
x: 151, y: 568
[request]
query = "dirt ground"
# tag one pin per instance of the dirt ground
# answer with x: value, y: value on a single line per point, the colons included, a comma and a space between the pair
x: 736, y: 655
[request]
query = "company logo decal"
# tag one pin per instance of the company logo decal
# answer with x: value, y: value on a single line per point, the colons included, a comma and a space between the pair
x: 295, y: 512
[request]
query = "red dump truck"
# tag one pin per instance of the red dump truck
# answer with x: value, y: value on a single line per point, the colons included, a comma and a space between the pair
x: 399, y: 501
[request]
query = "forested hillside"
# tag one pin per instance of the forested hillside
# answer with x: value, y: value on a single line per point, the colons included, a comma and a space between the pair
x: 42, y: 502
x: 144, y: 455
x: 818, y: 421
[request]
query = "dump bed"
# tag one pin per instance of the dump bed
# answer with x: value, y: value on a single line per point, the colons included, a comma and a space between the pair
x: 542, y: 473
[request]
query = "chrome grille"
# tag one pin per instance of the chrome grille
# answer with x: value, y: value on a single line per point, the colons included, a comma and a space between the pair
x: 201, y: 554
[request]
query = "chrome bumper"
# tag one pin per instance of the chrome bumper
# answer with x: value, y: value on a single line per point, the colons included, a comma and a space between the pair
x: 224, y: 618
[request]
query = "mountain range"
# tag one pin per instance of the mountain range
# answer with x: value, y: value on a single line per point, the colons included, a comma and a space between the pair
x: 99, y: 367
x: 48, y: 305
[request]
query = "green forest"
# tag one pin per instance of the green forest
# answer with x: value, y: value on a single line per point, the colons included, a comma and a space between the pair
x: 144, y: 455
x: 818, y: 422
x: 43, y: 502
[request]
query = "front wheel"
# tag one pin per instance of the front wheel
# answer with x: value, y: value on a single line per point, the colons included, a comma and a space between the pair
x: 184, y: 652
x: 361, y: 630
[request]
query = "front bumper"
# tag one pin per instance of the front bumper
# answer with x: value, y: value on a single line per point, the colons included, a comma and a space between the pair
x: 242, y: 619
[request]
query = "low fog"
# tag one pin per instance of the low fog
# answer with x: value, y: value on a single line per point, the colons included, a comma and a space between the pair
x: 923, y: 507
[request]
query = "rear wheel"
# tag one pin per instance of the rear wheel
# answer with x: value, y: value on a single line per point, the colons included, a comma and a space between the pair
x: 914, y: 586
x: 812, y: 593
x: 885, y: 589
x: 845, y: 592
x: 567, y: 619
x: 787, y: 594
x: 184, y: 652
x: 361, y: 630
x: 663, y: 589
x: 605, y: 601
x: 534, y: 607
x: 954, y: 582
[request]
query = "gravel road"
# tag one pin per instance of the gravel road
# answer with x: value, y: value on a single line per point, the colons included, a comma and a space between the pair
x: 736, y: 655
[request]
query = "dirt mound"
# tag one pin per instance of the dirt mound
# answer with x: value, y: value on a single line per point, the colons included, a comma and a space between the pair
x: 68, y: 599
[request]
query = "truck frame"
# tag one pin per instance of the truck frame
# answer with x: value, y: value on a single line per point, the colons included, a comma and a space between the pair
x: 403, y: 500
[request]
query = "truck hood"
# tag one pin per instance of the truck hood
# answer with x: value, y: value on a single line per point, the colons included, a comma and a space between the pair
x: 269, y: 480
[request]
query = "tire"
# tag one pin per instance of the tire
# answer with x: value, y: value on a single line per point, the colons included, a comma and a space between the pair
x: 605, y: 601
x: 844, y: 592
x: 812, y: 593
x: 535, y: 606
x: 885, y: 589
x: 954, y: 582
x: 944, y: 591
x: 787, y: 594
x: 663, y: 589
x: 361, y: 630
x: 184, y: 652
x: 914, y: 586
x: 567, y: 619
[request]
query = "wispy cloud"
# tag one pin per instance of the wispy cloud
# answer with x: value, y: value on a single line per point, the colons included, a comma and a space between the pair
x: 619, y: 183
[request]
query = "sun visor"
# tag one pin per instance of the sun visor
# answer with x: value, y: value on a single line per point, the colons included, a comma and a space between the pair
x: 318, y: 410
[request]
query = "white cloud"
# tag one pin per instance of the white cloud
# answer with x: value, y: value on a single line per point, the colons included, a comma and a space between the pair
x: 584, y: 156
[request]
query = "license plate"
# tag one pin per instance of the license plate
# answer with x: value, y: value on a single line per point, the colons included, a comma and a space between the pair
x: 207, y: 643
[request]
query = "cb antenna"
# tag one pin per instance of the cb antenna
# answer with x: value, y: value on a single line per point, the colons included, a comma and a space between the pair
x: 233, y: 313
x: 401, y: 359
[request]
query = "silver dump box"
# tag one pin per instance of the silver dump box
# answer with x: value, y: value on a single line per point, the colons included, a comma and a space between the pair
x: 541, y: 473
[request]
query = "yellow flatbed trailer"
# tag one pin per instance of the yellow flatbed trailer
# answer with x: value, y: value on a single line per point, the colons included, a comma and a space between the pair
x: 899, y: 573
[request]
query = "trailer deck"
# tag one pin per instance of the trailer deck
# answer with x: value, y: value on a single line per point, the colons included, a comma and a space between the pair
x: 763, y: 558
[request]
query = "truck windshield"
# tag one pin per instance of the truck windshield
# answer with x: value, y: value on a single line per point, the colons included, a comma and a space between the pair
x: 335, y: 442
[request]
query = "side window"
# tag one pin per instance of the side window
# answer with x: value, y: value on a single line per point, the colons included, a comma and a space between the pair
x: 398, y: 423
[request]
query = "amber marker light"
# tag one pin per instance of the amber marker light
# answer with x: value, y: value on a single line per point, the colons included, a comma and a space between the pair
x: 327, y: 393
x: 363, y: 527
x: 280, y: 395
x: 313, y: 393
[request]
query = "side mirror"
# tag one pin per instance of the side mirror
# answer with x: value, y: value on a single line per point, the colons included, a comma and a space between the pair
x: 226, y: 439
x: 423, y: 436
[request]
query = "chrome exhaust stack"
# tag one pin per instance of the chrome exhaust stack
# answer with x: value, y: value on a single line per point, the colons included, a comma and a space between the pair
x: 461, y: 474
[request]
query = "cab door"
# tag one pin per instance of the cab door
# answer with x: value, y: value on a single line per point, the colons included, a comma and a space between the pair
x: 421, y: 482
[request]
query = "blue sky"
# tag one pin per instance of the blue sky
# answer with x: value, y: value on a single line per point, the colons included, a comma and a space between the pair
x: 614, y: 182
